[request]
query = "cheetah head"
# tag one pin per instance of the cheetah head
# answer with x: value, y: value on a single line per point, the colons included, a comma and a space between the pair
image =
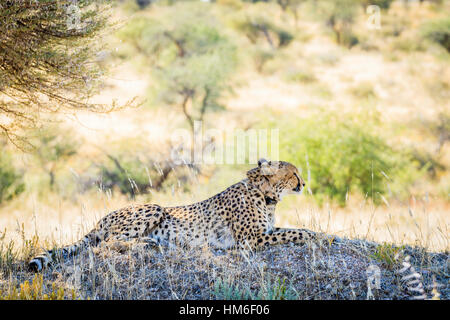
x: 276, y: 179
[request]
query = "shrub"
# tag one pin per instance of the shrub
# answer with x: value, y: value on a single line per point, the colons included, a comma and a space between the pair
x: 271, y: 289
x: 128, y: 175
x: 132, y: 168
x: 340, y: 154
x: 35, y: 291
x: 385, y: 254
x: 226, y: 290
x: 11, y: 182
x: 438, y: 31
x: 131, y: 176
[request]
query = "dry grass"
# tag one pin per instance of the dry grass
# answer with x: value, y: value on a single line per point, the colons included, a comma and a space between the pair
x: 138, y: 271
x: 420, y: 222
x: 281, y: 272
x: 401, y: 84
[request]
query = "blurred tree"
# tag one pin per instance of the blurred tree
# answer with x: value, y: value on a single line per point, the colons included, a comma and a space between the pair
x: 255, y: 27
x: 339, y: 15
x: 191, y: 58
x: 291, y: 6
x: 46, y: 61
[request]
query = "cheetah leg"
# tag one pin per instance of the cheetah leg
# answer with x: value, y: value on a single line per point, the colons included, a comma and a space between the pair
x: 282, y: 235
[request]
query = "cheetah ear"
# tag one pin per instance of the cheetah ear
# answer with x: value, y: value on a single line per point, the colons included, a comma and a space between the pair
x: 261, y: 181
x: 263, y: 161
x: 268, y: 168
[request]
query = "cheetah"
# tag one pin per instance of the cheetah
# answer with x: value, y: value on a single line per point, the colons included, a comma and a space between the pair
x: 241, y: 215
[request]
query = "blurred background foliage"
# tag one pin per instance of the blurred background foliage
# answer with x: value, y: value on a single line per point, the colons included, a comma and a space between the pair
x: 199, y: 61
x: 342, y: 154
x: 189, y: 56
x: 10, y: 177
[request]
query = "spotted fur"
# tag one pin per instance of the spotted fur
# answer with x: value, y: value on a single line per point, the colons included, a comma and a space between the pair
x: 243, y: 214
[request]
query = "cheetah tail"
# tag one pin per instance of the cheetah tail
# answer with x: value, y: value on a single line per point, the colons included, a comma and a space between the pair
x: 43, y: 259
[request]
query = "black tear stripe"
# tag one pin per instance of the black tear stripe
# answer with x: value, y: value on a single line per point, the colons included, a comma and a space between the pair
x: 270, y: 201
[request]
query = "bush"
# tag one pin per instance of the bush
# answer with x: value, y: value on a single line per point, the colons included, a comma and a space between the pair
x: 131, y: 168
x: 130, y: 175
x: 385, y: 254
x: 340, y: 155
x: 11, y: 183
x: 271, y: 289
x: 438, y: 31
